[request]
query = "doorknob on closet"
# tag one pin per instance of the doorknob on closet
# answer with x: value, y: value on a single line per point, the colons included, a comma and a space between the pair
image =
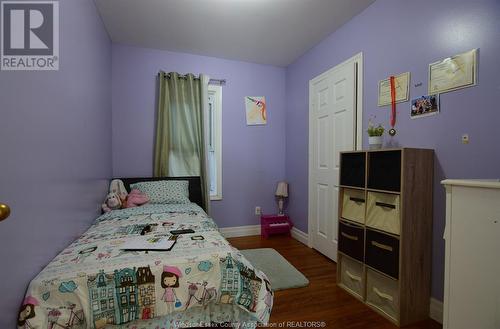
x: 4, y: 211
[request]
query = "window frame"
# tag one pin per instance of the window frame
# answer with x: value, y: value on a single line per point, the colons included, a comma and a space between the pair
x: 216, y: 92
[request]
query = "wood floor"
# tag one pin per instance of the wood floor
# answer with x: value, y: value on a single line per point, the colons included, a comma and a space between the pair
x: 322, y: 300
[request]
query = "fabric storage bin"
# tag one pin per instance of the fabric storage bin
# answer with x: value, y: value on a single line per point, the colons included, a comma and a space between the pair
x: 351, y: 275
x: 384, y: 170
x: 353, y: 205
x: 382, y: 293
x: 351, y: 240
x: 353, y: 167
x: 382, y: 252
x: 383, y: 212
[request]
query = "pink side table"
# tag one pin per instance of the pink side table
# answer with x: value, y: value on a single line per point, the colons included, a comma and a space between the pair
x: 274, y: 224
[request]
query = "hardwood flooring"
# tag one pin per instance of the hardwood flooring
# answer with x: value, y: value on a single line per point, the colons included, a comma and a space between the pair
x: 322, y: 300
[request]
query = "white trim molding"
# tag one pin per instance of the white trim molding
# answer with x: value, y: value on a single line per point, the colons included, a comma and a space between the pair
x: 436, y: 310
x: 215, y: 144
x: 300, y: 236
x: 238, y: 231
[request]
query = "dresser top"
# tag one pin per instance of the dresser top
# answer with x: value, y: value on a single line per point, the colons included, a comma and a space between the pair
x: 486, y: 183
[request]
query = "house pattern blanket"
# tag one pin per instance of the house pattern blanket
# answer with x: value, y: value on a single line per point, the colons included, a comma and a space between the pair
x: 95, y: 284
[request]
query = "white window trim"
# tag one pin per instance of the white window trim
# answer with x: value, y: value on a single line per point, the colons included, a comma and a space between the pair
x: 216, y: 91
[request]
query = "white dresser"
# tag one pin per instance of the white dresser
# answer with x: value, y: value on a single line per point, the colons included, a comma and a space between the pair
x: 472, y: 261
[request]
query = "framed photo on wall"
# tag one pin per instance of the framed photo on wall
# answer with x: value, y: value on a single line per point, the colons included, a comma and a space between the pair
x: 402, y: 82
x: 256, y: 111
x: 424, y: 106
x: 452, y: 73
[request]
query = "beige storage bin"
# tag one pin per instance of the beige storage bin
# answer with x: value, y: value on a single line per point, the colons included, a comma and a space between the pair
x: 383, y: 211
x: 351, y: 275
x: 382, y: 293
x: 353, y: 205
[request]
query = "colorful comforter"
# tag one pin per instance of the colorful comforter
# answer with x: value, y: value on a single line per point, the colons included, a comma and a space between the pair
x: 95, y: 284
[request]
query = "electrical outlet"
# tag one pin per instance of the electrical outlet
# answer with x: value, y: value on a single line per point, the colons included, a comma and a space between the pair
x: 258, y: 211
x: 465, y: 139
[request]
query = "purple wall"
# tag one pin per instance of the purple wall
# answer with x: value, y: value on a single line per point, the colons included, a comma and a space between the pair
x: 253, y: 157
x: 55, y: 143
x: 398, y: 36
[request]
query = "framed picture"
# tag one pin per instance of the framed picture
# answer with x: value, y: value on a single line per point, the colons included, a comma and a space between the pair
x: 452, y: 73
x: 402, y: 82
x: 424, y: 106
x: 256, y: 110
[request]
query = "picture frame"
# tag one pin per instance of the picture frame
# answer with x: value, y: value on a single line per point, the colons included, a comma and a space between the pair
x: 453, y: 73
x: 402, y: 89
x: 424, y: 106
x: 256, y: 112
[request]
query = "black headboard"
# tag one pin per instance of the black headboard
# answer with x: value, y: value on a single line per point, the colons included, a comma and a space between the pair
x: 194, y: 185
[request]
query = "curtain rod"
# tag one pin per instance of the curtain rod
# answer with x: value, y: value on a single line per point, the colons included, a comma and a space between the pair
x: 221, y: 82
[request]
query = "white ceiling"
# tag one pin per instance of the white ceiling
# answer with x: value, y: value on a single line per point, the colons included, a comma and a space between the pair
x: 273, y: 32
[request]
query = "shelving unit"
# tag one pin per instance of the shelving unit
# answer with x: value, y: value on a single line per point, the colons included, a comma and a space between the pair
x: 385, y: 230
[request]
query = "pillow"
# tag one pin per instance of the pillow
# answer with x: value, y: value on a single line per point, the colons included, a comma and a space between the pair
x: 165, y: 191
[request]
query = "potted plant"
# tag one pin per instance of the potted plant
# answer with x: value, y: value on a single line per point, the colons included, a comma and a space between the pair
x: 375, y: 135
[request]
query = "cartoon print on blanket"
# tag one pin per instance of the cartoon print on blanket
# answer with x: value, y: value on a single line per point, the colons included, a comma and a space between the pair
x: 95, y: 284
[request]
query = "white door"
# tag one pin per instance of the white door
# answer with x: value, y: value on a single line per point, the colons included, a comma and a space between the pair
x: 332, y: 129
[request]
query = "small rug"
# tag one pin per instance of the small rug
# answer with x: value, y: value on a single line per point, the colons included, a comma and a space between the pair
x: 280, y: 272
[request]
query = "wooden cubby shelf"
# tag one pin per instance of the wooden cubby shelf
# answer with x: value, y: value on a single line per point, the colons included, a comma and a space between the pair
x: 385, y: 230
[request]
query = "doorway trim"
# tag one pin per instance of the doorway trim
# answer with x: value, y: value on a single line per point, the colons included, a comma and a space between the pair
x: 358, y: 138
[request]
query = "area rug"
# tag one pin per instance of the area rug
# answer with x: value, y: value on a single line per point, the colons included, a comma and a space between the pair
x: 280, y: 272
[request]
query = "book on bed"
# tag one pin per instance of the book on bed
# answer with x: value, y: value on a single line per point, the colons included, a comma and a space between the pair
x: 155, y: 242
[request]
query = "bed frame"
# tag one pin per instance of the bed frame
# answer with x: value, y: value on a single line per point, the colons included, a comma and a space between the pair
x: 195, y: 194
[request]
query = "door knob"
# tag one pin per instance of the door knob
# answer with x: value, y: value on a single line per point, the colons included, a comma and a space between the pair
x: 4, y: 211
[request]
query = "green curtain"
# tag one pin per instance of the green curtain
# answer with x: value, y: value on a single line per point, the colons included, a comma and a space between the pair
x: 180, y: 146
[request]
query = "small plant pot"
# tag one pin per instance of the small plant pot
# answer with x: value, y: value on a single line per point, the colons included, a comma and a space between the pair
x: 375, y: 142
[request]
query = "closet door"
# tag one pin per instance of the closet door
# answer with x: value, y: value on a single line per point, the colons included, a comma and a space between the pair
x: 331, y: 130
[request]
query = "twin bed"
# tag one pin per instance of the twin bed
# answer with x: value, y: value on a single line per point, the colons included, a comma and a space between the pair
x: 93, y: 283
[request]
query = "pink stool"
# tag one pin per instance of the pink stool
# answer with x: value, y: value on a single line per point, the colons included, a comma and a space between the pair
x: 274, y: 224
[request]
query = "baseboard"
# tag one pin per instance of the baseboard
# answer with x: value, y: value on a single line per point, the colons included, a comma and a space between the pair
x: 237, y: 231
x: 300, y: 236
x: 436, y: 310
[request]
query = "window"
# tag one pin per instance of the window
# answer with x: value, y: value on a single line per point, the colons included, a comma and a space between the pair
x: 215, y: 141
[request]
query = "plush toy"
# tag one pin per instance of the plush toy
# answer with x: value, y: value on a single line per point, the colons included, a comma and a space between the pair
x: 112, y: 202
x: 136, y: 198
x: 117, y: 186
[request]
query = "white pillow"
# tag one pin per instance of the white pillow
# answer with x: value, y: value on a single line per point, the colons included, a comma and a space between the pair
x: 165, y: 191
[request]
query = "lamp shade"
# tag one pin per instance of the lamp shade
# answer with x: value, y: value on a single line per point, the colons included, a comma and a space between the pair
x: 282, y: 190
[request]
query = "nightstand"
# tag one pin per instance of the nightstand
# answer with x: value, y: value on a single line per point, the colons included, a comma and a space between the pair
x: 274, y: 224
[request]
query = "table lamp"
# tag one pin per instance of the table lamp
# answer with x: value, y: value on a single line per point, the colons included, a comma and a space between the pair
x: 281, y: 194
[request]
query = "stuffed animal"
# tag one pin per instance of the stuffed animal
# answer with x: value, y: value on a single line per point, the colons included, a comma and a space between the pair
x: 117, y: 186
x: 112, y: 202
x: 136, y: 198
